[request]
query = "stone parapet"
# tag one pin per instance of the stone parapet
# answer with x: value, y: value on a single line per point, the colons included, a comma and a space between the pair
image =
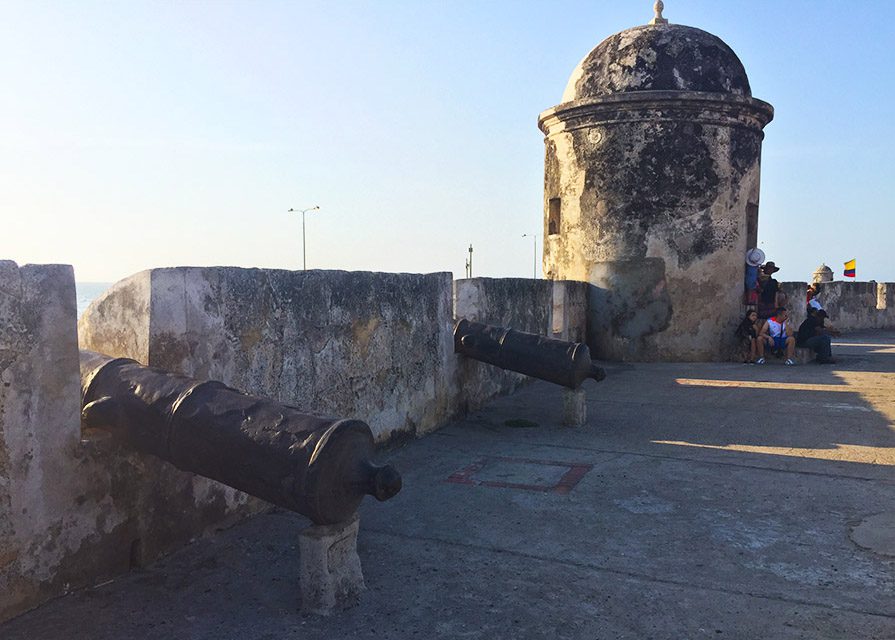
x: 851, y: 306
x: 73, y: 511
x: 40, y: 479
x: 76, y: 509
x: 854, y: 306
x: 796, y: 300
x: 553, y: 308
x: 373, y: 346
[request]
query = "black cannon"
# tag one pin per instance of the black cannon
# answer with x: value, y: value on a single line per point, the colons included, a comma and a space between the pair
x: 318, y: 467
x: 557, y: 361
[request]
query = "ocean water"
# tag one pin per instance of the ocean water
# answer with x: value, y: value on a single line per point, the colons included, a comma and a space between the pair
x: 87, y: 292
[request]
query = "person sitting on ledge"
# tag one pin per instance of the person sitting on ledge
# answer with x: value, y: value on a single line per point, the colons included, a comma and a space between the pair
x: 747, y: 333
x: 815, y: 336
x: 776, y: 333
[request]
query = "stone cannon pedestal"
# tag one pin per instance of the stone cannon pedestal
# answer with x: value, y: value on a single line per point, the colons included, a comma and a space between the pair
x: 574, y: 407
x: 330, y: 572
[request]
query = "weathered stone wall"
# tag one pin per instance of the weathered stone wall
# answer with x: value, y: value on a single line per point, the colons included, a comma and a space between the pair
x: 74, y: 512
x: 372, y: 346
x: 553, y: 308
x: 39, y: 434
x: 851, y: 306
x: 570, y: 310
x: 796, y: 301
x: 119, y: 320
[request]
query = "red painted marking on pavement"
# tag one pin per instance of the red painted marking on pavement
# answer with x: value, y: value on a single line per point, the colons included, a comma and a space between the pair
x: 464, y: 476
x: 576, y: 471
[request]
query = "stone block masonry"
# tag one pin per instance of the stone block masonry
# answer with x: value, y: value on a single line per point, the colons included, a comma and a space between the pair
x: 76, y: 510
x: 553, y: 308
x: 372, y: 346
x: 74, y: 513
x: 858, y: 305
x: 40, y: 532
x: 330, y: 571
x: 852, y: 306
x: 574, y: 407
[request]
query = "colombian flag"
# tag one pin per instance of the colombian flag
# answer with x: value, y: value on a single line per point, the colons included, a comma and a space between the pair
x: 850, y: 269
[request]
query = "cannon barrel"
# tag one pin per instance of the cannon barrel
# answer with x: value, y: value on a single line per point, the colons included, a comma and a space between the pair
x: 557, y: 361
x: 318, y: 467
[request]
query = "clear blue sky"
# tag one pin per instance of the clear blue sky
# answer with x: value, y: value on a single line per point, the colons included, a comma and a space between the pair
x: 138, y: 134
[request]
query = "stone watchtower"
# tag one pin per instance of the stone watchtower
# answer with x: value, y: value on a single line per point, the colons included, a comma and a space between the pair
x: 651, y: 191
x: 822, y: 274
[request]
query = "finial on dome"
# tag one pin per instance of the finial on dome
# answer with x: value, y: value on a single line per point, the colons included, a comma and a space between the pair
x: 658, y: 8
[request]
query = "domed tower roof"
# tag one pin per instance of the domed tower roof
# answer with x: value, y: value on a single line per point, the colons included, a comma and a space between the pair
x: 658, y: 57
x: 822, y: 274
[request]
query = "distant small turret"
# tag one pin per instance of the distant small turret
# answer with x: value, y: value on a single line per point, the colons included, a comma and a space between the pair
x: 822, y: 274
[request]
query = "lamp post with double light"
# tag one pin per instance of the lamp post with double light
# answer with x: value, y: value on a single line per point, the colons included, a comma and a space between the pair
x: 304, y: 249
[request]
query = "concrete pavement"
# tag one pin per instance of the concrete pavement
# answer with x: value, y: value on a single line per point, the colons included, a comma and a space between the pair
x: 700, y: 501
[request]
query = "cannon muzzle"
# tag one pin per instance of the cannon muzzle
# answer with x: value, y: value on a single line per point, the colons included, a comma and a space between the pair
x: 564, y: 363
x: 318, y: 467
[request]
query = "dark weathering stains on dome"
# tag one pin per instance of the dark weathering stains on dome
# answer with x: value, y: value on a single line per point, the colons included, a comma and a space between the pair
x: 659, y: 58
x: 654, y: 184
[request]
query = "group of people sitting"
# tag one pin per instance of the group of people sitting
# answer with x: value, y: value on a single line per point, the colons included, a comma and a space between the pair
x: 758, y: 334
x: 767, y: 328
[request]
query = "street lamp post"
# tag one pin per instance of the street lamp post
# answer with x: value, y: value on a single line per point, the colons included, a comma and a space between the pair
x: 469, y: 263
x: 534, y: 246
x: 304, y: 249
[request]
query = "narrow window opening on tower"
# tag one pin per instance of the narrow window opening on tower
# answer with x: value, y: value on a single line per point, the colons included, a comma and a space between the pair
x: 553, y: 216
x: 751, y: 225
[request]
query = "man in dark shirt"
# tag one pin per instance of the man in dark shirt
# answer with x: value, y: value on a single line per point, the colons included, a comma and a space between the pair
x: 813, y: 335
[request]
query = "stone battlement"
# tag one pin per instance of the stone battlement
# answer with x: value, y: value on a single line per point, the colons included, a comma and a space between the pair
x: 852, y: 306
x: 375, y: 346
x: 75, y: 511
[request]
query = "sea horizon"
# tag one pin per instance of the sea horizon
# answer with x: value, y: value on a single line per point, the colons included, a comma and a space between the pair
x: 87, y: 292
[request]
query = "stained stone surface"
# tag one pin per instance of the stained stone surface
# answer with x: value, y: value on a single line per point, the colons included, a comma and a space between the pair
x: 696, y: 519
x: 330, y: 573
x: 670, y: 57
x: 552, y: 308
x: 371, y: 346
x: 652, y: 166
x: 39, y: 435
x: 574, y: 407
x: 855, y: 306
x: 74, y: 513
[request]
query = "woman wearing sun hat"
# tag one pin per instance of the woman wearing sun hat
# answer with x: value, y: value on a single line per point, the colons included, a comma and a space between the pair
x: 754, y: 258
